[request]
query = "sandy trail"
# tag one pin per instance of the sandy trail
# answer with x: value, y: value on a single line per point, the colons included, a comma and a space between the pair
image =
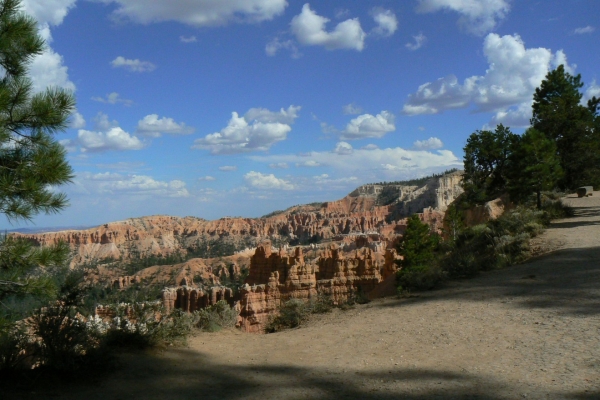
x: 529, y: 331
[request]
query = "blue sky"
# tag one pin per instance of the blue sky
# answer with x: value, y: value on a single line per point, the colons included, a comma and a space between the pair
x: 217, y: 108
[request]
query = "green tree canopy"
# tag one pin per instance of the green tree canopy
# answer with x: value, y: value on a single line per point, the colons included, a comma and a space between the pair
x: 32, y: 162
x: 534, y: 166
x: 559, y: 114
x: 417, y: 245
x: 486, y: 162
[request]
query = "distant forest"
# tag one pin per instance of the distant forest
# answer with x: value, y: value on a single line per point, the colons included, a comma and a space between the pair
x: 416, y: 181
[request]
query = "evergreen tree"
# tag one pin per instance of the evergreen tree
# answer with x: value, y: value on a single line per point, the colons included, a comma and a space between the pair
x: 453, y: 221
x: 559, y: 114
x: 486, y: 158
x: 534, y: 166
x: 417, y: 246
x: 32, y: 162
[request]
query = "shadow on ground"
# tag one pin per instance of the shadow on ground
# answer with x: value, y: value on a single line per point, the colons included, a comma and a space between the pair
x: 565, y: 280
x: 187, y: 374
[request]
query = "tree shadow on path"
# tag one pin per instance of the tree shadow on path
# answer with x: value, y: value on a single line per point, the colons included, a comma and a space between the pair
x: 188, y: 374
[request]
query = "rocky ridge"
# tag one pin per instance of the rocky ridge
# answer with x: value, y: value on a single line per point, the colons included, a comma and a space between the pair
x: 165, y: 236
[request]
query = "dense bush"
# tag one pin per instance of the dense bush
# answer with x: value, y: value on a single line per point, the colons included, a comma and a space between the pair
x: 355, y: 297
x: 322, y: 304
x: 216, y: 317
x: 95, y: 295
x: 291, y: 315
x: 296, y: 312
x: 495, y: 244
x: 555, y: 209
x: 422, y: 277
x: 14, y: 340
x: 466, y: 251
x: 145, y: 325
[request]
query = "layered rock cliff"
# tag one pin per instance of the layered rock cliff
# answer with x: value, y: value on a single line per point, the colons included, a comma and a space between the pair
x: 358, y: 213
x: 276, y: 277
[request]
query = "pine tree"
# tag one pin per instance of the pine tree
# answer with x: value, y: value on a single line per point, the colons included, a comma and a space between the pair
x: 534, y: 166
x: 559, y: 114
x: 486, y: 158
x: 32, y: 162
x: 417, y: 245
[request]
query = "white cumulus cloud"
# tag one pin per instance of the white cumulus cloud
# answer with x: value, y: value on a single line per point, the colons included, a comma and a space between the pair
x: 207, y: 178
x: 510, y: 80
x: 228, y: 168
x: 371, y: 164
x: 343, y: 148
x: 266, y: 181
x: 198, y: 12
x: 369, y: 126
x: 476, y: 16
x: 48, y: 69
x: 137, y: 185
x: 593, y: 90
x: 153, y: 126
x: 266, y: 116
x: 77, y: 121
x: 257, y: 130
x: 429, y: 144
x: 113, y: 139
x: 133, y: 65
x: 48, y: 11
x: 386, y: 20
x: 309, y: 29
x: 103, y: 123
x: 515, y: 117
x: 419, y: 41
x: 107, y: 136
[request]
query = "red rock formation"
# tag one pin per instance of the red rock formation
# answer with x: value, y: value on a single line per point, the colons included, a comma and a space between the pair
x: 190, y: 299
x: 162, y: 236
x: 277, y: 277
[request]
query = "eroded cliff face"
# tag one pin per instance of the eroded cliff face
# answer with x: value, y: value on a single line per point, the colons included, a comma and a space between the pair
x: 164, y: 236
x: 278, y: 276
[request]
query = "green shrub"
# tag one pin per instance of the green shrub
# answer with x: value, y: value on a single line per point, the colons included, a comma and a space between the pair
x: 556, y: 210
x: 63, y: 339
x: 322, y: 304
x: 13, y: 344
x: 420, y: 277
x: 148, y: 327
x: 293, y: 313
x: 216, y: 317
x: 355, y: 297
x: 495, y: 244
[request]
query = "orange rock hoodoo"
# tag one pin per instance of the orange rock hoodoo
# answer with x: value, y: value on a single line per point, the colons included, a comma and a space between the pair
x: 191, y: 299
x: 276, y: 277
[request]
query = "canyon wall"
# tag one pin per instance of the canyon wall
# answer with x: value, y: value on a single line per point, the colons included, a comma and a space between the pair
x: 165, y: 236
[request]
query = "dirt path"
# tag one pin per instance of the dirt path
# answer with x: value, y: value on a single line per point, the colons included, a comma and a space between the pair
x: 530, y: 331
